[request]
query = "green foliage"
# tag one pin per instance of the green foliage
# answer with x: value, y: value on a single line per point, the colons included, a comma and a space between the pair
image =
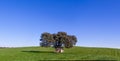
x: 75, y: 53
x: 59, y: 39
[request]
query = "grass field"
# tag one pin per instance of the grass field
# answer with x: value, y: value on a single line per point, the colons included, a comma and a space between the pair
x: 75, y: 53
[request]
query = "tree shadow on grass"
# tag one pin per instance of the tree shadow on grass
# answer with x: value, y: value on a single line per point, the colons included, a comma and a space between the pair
x: 38, y: 51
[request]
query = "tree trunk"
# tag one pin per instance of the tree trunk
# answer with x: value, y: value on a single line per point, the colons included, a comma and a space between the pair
x: 59, y: 50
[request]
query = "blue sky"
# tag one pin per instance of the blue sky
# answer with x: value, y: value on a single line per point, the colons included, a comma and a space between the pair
x: 96, y: 23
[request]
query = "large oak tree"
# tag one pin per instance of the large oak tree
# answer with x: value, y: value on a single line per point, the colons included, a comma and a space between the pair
x: 58, y: 41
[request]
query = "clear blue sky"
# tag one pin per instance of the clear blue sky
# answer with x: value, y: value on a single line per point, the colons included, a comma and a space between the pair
x: 96, y: 23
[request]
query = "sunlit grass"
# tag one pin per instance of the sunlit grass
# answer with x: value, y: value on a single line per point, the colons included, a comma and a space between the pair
x: 75, y: 53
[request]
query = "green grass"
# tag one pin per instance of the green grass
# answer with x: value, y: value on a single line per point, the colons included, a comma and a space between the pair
x: 75, y: 53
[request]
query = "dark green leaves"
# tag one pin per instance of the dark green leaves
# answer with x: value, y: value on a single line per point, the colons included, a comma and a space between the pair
x: 67, y: 41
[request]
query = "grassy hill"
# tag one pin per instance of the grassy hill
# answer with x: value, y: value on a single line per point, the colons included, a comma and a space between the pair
x: 75, y: 53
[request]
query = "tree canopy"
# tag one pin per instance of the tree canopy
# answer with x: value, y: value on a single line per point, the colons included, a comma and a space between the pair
x: 61, y: 39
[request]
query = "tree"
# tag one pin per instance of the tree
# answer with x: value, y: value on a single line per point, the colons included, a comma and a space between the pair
x: 58, y: 41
